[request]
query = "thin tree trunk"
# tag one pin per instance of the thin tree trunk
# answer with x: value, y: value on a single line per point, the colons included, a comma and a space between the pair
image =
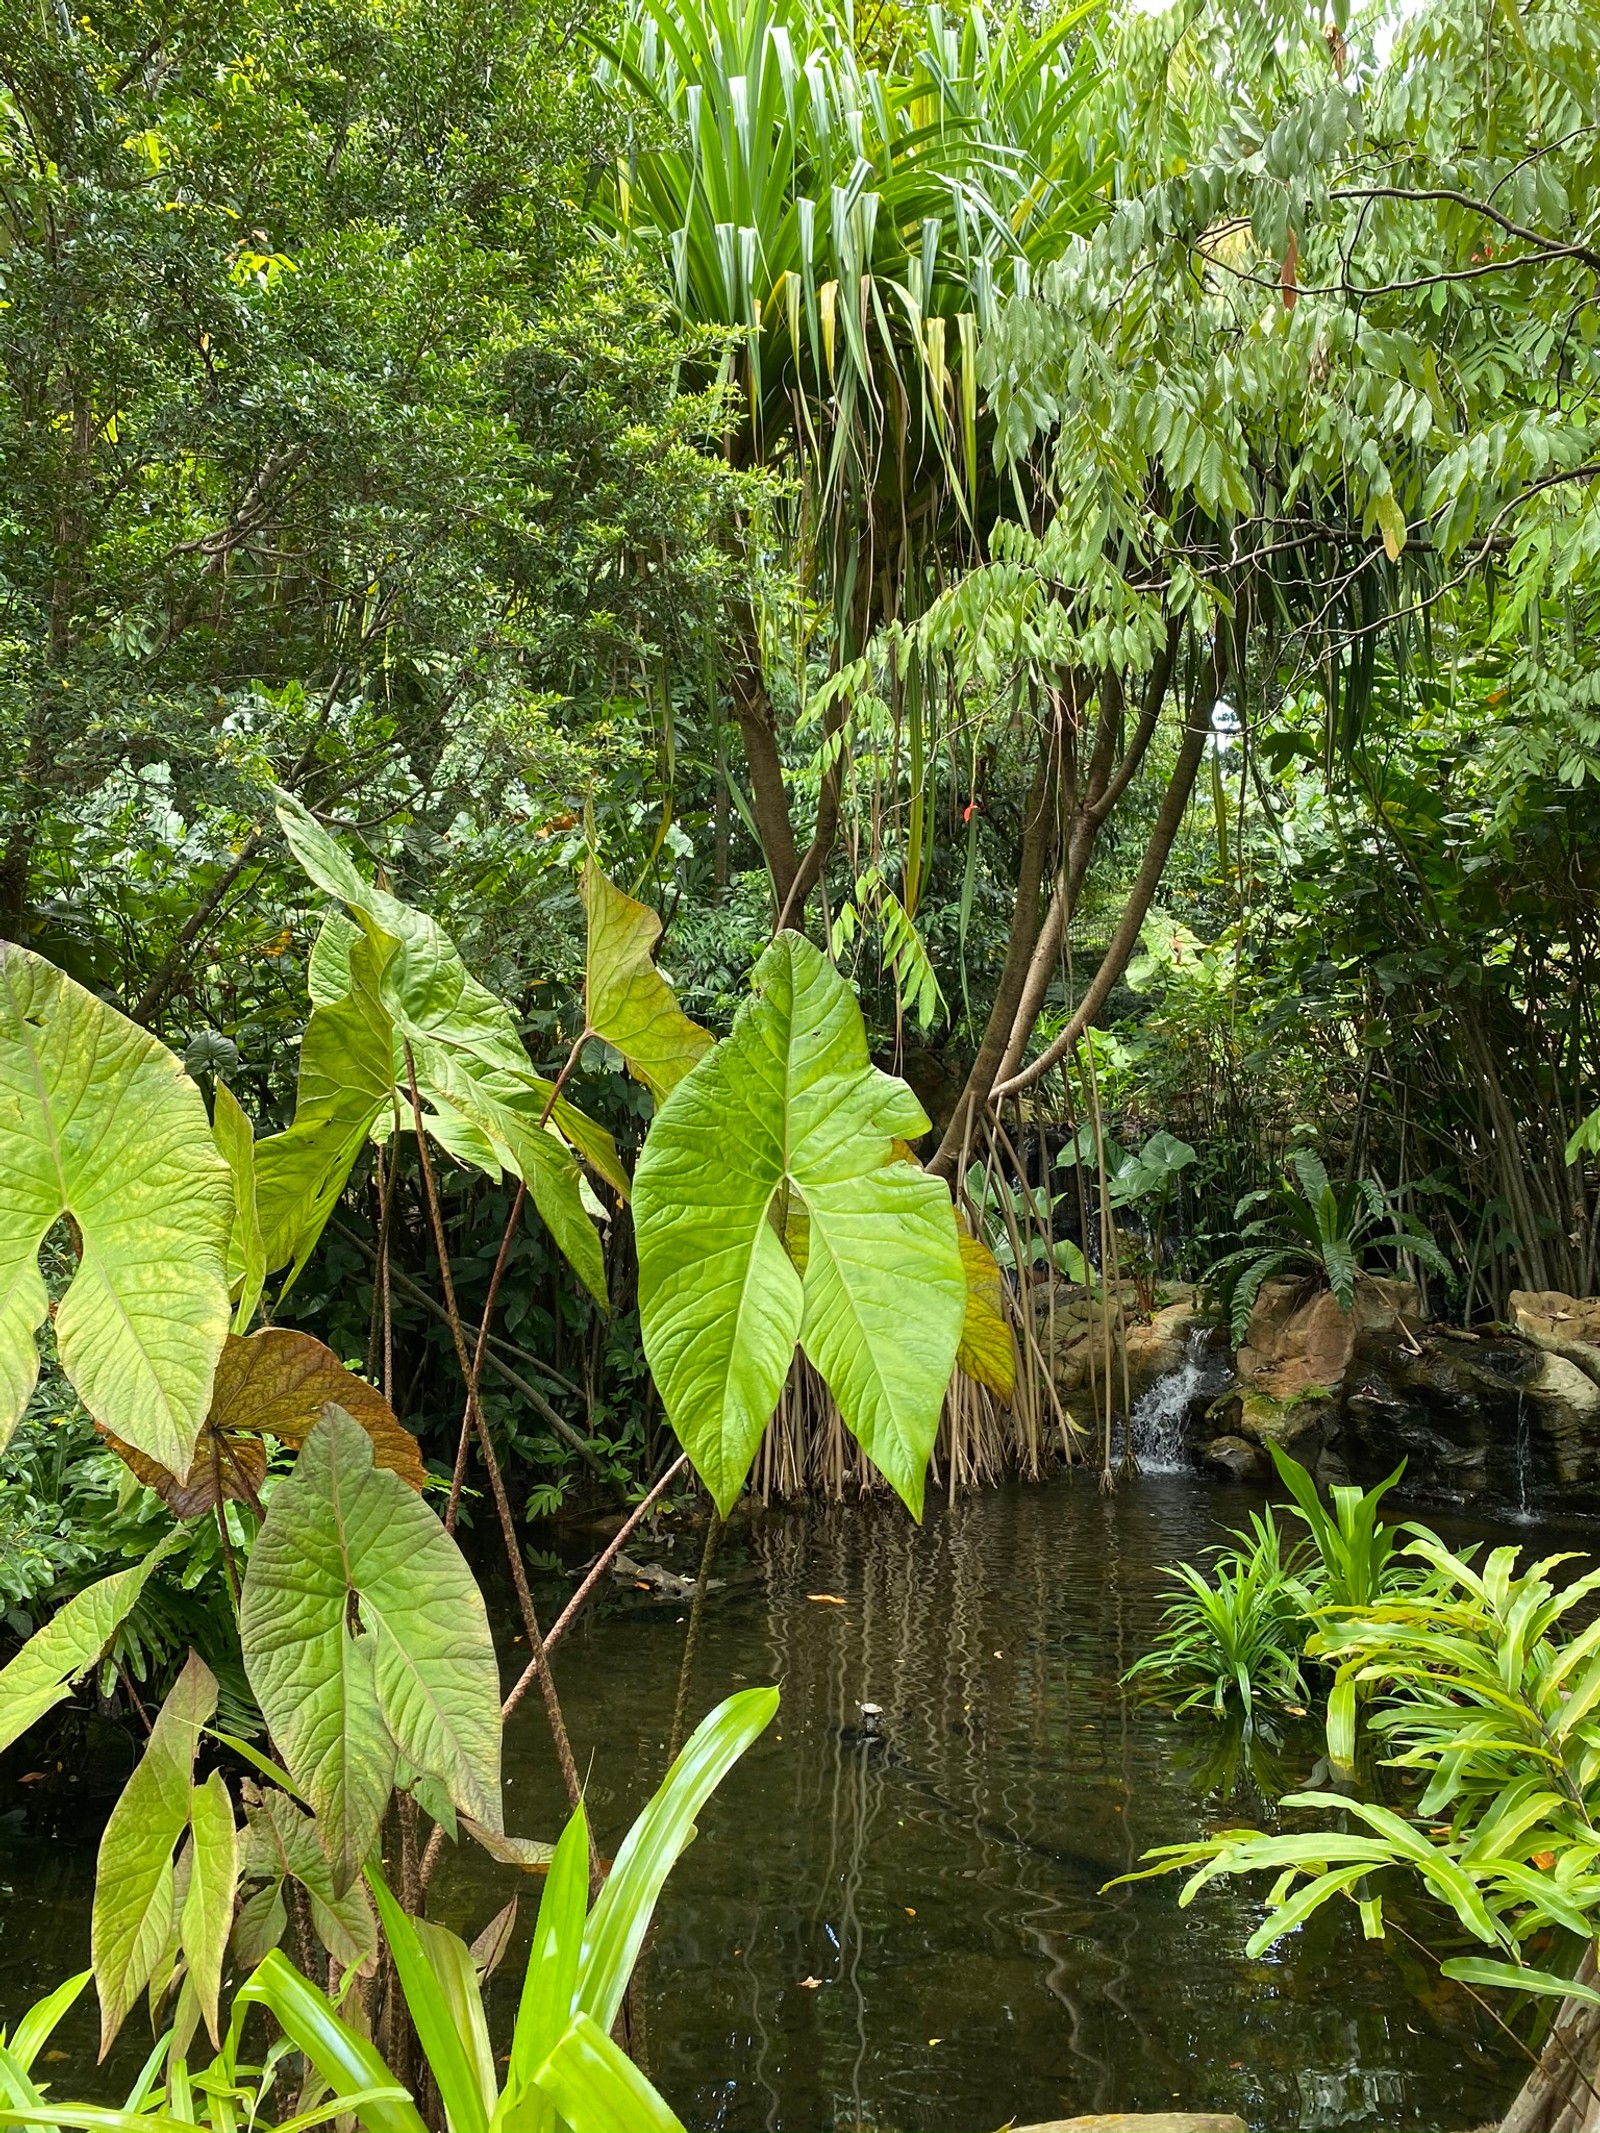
x: 1105, y: 789
x: 1134, y: 911
x: 1014, y: 972
x: 769, y: 798
x: 1557, y: 2096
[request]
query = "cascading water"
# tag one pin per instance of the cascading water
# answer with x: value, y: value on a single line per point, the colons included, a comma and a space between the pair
x: 1156, y: 1427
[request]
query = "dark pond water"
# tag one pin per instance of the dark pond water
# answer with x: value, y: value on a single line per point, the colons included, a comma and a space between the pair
x: 911, y: 1934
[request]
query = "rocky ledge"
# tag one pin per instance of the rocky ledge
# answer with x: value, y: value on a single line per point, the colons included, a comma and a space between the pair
x: 1509, y: 1412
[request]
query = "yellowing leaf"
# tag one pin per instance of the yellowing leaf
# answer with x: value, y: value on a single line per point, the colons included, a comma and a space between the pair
x: 987, y: 1352
x: 1391, y: 524
x: 99, y: 1121
x: 630, y: 1004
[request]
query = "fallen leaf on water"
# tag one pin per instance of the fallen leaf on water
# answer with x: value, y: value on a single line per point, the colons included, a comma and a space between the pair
x: 936, y: 2040
x: 810, y: 1984
x: 1295, y: 1710
x: 826, y: 1599
x: 54, y: 2058
x: 910, y: 1911
x: 1235, y: 2066
x: 32, y: 1777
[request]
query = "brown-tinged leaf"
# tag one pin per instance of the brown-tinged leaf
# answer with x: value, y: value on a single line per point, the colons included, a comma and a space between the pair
x: 489, y: 1949
x: 277, y: 1382
x: 986, y: 1351
x: 272, y: 1383
x: 528, y: 1853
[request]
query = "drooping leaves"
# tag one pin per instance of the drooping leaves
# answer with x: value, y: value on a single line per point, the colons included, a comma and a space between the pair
x: 274, y: 1383
x: 72, y: 1640
x: 987, y: 1351
x: 133, y: 1890
x: 790, y: 1106
x: 414, y: 1678
x: 99, y: 1122
x: 410, y: 990
x: 281, y: 1845
x: 628, y: 1002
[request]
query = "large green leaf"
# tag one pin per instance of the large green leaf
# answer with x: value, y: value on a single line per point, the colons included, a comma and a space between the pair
x: 790, y: 1107
x: 208, y: 1902
x: 132, y: 1918
x: 470, y: 1063
x: 417, y: 1678
x: 98, y: 1121
x: 347, y: 1071
x: 72, y: 1640
x: 628, y: 1002
x: 281, y: 1844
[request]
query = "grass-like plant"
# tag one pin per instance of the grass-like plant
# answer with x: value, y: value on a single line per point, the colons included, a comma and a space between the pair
x: 1232, y: 1639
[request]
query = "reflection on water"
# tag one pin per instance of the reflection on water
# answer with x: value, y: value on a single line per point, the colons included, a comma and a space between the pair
x: 905, y: 1930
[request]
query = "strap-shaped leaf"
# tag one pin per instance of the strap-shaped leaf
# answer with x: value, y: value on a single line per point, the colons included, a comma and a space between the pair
x: 133, y: 1907
x: 418, y: 1678
x: 597, y: 2088
x: 99, y: 1121
x: 550, y: 1982
x: 346, y: 2061
x: 790, y: 1105
x: 628, y: 1002
x: 43, y: 1672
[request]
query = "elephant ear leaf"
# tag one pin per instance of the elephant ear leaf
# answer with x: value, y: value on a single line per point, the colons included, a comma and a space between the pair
x: 366, y: 1642
x: 99, y: 1122
x: 987, y: 1352
x: 133, y: 1914
x: 628, y: 1002
x: 790, y: 1107
x: 274, y: 1383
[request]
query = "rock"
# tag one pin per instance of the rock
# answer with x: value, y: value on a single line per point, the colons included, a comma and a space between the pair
x: 1567, y: 1402
x: 1159, y: 1346
x: 1237, y: 1459
x: 1144, y: 2122
x: 1302, y: 1339
x: 1565, y: 1325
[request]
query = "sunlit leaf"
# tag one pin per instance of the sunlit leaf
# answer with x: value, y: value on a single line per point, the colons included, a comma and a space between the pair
x: 98, y: 1121
x: 247, y: 1261
x: 987, y: 1351
x: 417, y: 1676
x: 791, y: 1102
x: 629, y: 1003
x: 208, y: 1903
x: 72, y: 1640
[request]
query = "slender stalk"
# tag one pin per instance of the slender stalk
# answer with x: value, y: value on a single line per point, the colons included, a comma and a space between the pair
x: 475, y: 1378
x: 508, y: 1531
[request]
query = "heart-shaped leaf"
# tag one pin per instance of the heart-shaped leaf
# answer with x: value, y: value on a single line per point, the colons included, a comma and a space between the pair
x: 98, y: 1121
x: 365, y: 1638
x: 791, y: 1107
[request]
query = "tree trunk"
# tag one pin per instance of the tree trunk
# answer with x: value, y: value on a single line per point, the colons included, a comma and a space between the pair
x: 1134, y: 911
x: 769, y: 799
x: 1014, y: 971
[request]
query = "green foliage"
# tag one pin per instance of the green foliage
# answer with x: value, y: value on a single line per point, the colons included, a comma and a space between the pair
x: 773, y: 1208
x: 43, y: 1672
x: 415, y: 1690
x: 99, y: 1123
x: 1316, y: 1230
x: 1233, y: 1639
x: 1479, y: 1697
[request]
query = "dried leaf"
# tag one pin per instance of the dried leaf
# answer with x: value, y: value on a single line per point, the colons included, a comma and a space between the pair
x: 986, y: 1351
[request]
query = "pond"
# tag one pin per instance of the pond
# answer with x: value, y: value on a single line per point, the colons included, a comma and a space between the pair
x: 906, y: 1929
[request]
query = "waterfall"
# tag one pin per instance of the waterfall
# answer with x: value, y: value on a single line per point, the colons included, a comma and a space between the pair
x: 1156, y: 1427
